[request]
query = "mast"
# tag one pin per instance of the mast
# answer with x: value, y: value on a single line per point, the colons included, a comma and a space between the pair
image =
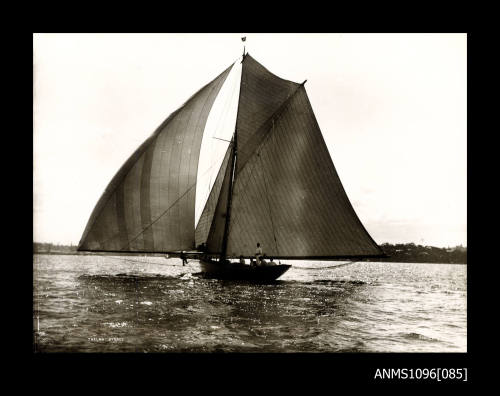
x: 223, y: 254
x: 229, y: 197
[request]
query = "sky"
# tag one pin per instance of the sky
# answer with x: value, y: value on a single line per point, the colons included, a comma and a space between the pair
x: 392, y: 109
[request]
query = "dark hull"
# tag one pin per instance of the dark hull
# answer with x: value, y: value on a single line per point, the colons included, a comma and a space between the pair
x: 236, y: 271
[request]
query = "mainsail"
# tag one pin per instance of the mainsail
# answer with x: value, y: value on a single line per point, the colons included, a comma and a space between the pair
x: 284, y: 191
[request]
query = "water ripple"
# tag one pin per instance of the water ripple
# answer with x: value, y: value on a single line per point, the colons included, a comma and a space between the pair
x: 100, y: 304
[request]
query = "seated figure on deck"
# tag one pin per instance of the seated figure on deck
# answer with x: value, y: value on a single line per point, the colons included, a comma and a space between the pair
x: 202, y: 247
x: 242, y: 260
x: 271, y: 262
x: 258, y: 253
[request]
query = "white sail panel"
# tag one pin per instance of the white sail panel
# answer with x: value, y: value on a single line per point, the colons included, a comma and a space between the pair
x: 218, y: 131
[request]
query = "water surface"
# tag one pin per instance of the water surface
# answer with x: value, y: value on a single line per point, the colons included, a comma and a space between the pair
x: 139, y: 304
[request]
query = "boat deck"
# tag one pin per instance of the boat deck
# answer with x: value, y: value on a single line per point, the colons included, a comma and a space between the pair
x: 236, y: 271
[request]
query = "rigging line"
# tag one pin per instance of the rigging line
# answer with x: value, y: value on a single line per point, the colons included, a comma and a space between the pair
x: 273, y: 149
x: 228, y: 103
x: 235, y: 216
x: 210, y: 205
x: 208, y: 187
x: 170, y: 207
x: 211, y: 187
x: 234, y: 159
x: 226, y: 106
x: 268, y: 203
x: 272, y: 118
x: 328, y: 267
x: 161, y: 215
x: 223, y: 115
x: 234, y: 149
x: 224, y: 140
x: 139, y: 261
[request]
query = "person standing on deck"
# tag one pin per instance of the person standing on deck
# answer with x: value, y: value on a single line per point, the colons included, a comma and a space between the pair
x: 258, y: 253
x: 183, y: 258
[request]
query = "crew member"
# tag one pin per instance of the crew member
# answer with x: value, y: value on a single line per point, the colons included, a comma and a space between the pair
x: 258, y: 253
x: 183, y: 258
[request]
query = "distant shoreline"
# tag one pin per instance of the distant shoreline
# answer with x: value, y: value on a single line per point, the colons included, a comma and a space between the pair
x: 100, y: 254
x: 398, y: 253
x: 162, y: 255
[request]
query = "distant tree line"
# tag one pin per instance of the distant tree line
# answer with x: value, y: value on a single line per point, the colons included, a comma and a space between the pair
x: 411, y: 253
x: 400, y: 252
x: 53, y: 248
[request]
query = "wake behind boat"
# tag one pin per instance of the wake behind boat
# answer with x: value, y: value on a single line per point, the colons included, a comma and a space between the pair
x: 269, y: 178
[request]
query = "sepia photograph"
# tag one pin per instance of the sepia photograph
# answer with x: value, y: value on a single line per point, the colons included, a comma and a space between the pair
x: 284, y: 193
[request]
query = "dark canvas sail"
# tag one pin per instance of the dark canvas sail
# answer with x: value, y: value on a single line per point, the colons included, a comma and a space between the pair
x: 261, y: 94
x: 287, y: 194
x: 207, y: 216
x: 149, y: 204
